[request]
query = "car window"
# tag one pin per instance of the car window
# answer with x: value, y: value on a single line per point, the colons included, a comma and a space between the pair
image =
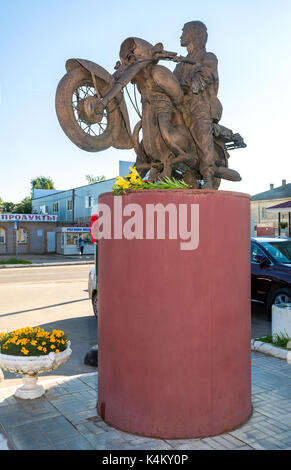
x: 256, y: 250
x: 281, y: 251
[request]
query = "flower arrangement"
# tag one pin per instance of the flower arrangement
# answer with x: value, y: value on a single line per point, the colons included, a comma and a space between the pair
x: 134, y: 181
x: 32, y: 342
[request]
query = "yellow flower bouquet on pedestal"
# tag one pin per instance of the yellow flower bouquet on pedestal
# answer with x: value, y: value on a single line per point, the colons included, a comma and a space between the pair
x: 134, y: 181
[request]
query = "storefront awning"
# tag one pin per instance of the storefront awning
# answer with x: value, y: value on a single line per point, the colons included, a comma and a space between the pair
x: 283, y: 207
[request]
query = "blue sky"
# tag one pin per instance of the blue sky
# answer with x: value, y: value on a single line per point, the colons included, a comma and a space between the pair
x: 251, y: 38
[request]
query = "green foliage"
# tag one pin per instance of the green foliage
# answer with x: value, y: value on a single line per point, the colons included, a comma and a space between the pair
x: 281, y: 340
x: 23, y: 207
x: 42, y: 182
x: 164, y: 183
x: 14, y: 261
x: 283, y: 224
x: 7, y: 206
x: 95, y: 179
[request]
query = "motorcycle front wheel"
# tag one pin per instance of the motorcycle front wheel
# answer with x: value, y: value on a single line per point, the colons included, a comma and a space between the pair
x: 76, y: 99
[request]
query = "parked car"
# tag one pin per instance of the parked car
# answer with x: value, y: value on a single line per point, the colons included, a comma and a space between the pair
x: 271, y: 271
x: 92, y: 290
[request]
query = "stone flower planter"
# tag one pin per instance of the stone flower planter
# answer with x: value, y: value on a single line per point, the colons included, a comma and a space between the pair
x: 31, y: 367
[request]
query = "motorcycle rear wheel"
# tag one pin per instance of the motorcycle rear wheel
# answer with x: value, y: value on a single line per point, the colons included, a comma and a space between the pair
x: 73, y: 89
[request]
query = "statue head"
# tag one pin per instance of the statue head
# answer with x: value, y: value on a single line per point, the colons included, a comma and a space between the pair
x: 134, y: 48
x: 194, y: 33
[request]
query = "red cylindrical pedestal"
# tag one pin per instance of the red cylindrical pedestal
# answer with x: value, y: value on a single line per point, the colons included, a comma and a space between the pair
x: 174, y: 325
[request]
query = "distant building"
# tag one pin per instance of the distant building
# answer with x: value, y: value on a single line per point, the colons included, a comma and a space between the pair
x: 27, y: 233
x: 268, y: 222
x: 73, y: 208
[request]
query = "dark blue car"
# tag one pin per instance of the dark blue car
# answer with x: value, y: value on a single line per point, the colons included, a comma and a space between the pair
x: 271, y: 271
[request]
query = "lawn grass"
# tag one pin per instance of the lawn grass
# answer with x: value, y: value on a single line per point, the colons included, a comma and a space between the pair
x: 14, y: 261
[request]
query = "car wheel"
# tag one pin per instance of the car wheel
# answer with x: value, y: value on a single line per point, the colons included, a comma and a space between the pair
x: 94, y: 304
x: 281, y: 296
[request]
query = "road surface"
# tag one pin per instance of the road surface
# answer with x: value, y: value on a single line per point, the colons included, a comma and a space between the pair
x: 54, y: 296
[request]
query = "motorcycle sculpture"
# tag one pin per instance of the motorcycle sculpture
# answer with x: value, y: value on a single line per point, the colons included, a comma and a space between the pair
x: 92, y: 112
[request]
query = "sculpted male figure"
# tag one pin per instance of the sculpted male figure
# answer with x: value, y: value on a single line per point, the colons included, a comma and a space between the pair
x: 200, y: 85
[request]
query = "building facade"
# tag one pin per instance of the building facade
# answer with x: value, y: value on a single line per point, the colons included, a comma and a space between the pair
x: 73, y: 209
x: 74, y: 206
x: 27, y: 233
x: 266, y: 223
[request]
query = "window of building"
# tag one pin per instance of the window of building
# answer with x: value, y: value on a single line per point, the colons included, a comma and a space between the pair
x: 22, y: 236
x: 264, y: 213
x: 55, y: 207
x: 2, y: 236
x: 72, y: 239
x: 43, y: 209
x: 87, y: 237
x: 69, y: 205
x: 89, y: 202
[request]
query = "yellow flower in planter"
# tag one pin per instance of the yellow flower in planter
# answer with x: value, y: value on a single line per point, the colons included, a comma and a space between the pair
x: 134, y: 176
x: 32, y: 342
x: 121, y: 183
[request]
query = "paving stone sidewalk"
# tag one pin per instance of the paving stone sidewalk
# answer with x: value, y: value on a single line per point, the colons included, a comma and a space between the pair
x: 66, y: 418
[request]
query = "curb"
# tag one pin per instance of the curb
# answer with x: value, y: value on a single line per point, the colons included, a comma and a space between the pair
x: 34, y: 265
x: 270, y: 350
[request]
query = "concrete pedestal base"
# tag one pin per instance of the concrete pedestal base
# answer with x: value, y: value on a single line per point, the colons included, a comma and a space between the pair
x: 174, y: 324
x: 281, y: 319
x: 30, y: 389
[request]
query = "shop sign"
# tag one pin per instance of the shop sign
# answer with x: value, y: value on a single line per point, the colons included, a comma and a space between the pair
x: 76, y: 229
x: 28, y: 218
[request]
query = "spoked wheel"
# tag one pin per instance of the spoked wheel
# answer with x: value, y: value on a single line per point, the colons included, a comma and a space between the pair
x: 86, y: 123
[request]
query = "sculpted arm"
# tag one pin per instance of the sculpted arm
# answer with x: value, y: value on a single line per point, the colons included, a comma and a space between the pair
x: 165, y: 79
x: 205, y: 74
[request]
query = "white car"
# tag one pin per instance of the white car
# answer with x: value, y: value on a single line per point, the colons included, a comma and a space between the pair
x: 92, y: 290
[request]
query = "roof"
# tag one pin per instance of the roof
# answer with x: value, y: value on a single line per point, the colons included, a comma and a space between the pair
x: 282, y: 192
x: 283, y: 207
x: 68, y: 190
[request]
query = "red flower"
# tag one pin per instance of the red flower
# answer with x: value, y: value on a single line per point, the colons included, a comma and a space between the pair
x: 145, y: 181
x: 93, y: 227
x: 94, y: 217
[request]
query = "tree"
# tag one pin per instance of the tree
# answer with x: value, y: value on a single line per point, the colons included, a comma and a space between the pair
x: 7, y: 206
x: 23, y: 207
x: 95, y: 179
x: 42, y: 182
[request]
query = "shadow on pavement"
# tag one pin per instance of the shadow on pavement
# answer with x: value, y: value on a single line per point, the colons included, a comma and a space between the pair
x: 41, y: 308
x: 82, y: 332
x: 260, y: 325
